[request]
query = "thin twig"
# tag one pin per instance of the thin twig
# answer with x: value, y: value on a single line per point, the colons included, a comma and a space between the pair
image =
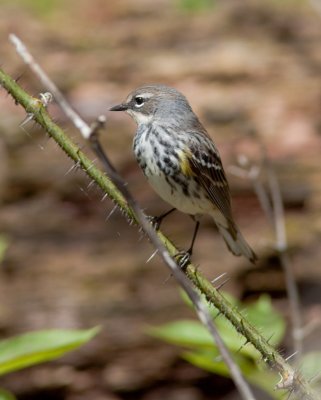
x: 278, y: 209
x: 273, y: 208
x: 282, y: 248
x: 34, y: 66
x: 92, y: 133
x: 253, y: 173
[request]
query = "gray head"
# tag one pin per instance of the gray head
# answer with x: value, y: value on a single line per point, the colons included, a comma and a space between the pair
x: 156, y: 102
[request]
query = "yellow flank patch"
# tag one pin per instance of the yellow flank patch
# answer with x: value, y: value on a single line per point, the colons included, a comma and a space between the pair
x: 185, y: 164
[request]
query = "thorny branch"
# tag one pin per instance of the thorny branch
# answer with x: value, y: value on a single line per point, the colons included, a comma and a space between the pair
x: 290, y: 379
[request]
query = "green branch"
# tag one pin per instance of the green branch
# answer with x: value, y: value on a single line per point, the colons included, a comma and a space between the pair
x: 291, y: 379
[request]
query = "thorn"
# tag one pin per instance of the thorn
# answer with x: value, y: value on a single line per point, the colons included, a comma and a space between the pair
x: 268, y: 340
x: 218, y: 277
x: 84, y: 191
x: 219, y: 287
x: 74, y: 166
x: 25, y: 130
x: 152, y: 256
x: 167, y: 279
x: 27, y: 119
x: 104, y: 197
x: 77, y: 164
x: 19, y: 77
x: 291, y: 391
x: 111, y: 213
x: 291, y: 355
x: 314, y: 377
x: 141, y: 237
x: 243, y: 345
x: 90, y: 184
x: 217, y: 315
x: 240, y: 348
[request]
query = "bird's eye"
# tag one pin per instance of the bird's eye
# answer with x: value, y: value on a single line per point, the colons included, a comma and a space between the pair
x: 139, y: 101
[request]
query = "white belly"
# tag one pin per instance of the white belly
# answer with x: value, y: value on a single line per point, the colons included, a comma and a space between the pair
x: 166, y: 179
x: 173, y: 193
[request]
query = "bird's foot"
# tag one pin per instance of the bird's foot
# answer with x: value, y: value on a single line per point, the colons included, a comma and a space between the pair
x: 183, y: 258
x: 155, y: 221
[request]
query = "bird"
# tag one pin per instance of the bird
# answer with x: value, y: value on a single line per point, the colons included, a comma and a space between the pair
x: 181, y: 162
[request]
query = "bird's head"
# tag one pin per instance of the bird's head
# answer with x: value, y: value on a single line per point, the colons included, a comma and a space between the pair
x: 154, y: 102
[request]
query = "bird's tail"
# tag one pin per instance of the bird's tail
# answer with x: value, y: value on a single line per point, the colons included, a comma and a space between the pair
x: 235, y: 240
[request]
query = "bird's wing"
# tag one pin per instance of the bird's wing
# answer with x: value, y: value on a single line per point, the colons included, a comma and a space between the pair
x: 206, y: 166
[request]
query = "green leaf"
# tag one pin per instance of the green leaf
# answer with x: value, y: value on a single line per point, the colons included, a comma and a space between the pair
x: 266, y: 319
x: 260, y: 313
x: 211, y: 361
x: 36, y: 347
x: 205, y: 355
x: 191, y: 333
x: 184, y: 333
x: 5, y: 395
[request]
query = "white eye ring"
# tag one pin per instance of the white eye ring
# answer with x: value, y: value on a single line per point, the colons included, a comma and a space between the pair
x: 139, y: 101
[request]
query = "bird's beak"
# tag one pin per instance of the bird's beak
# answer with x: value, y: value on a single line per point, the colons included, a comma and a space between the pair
x: 119, y: 107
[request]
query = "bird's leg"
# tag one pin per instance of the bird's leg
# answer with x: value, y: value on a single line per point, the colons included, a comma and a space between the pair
x: 184, y: 257
x: 197, y: 225
x: 156, y: 221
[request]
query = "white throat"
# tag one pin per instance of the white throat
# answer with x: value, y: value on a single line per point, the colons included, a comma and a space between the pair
x: 139, y: 118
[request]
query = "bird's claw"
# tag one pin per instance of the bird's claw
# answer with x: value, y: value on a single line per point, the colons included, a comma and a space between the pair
x: 183, y: 258
x: 155, y: 221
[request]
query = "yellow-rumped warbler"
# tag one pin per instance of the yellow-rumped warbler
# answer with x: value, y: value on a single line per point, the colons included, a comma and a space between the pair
x: 180, y: 160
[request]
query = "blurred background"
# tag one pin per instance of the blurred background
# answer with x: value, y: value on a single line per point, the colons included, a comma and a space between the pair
x: 72, y: 260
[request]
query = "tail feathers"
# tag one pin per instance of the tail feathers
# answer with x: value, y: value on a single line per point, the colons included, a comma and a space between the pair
x: 236, y: 242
